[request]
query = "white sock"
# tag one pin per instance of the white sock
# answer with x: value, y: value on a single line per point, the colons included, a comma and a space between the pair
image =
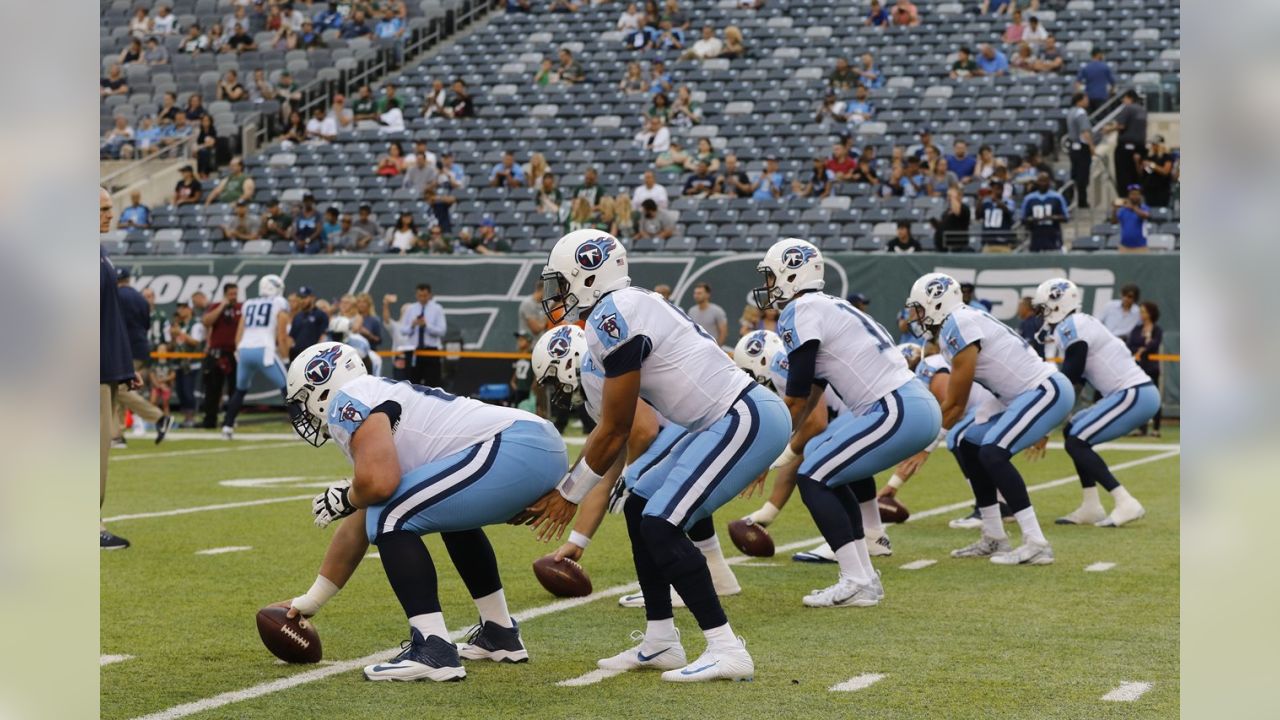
x: 430, y: 624
x: 1026, y: 518
x: 1121, y: 495
x: 661, y: 632
x: 1091, y: 498
x: 871, y: 517
x: 721, y: 637
x: 765, y: 515
x: 864, y: 557
x: 493, y: 608
x: 721, y: 574
x: 851, y: 564
x: 709, y: 547
x: 992, y: 525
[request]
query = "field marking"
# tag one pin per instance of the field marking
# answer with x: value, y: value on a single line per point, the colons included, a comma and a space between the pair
x: 1127, y: 692
x: 1099, y: 567
x: 224, y: 550
x: 917, y: 564
x: 207, y: 508
x: 757, y: 564
x: 105, y: 660
x: 859, y: 682
x: 208, y: 435
x: 230, y: 447
x: 303, y: 678
x: 590, y: 678
x: 375, y: 555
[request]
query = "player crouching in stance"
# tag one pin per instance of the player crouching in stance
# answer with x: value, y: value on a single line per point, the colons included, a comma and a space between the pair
x: 562, y: 363
x: 1129, y: 399
x: 1037, y: 397
x: 891, y: 416
x: 426, y: 461
x: 650, y: 349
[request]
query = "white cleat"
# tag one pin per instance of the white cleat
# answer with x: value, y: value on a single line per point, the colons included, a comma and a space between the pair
x: 986, y: 546
x: 636, y: 600
x: 716, y: 664
x: 845, y: 593
x: 1029, y: 552
x: 228, y: 432
x: 877, y: 586
x: 879, y: 546
x: 658, y: 656
x: 972, y: 521
x: 1083, y: 515
x: 1124, y: 512
x: 821, y: 554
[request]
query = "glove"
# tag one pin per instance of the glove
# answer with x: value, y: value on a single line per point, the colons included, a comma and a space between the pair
x: 332, y: 504
x: 618, y: 495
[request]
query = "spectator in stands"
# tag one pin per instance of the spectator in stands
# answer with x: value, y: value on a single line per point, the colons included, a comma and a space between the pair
x: 320, y: 128
x: 355, y: 26
x: 1080, y: 147
x: 188, y: 190
x: 633, y: 82
x: 1034, y: 33
x: 902, y: 241
x: 905, y: 14
x: 659, y: 78
x: 240, y: 40
x: 390, y: 27
x: 239, y: 15
x: 830, y: 107
x: 487, y: 241
x: 735, y: 45
x: 951, y: 229
x: 659, y: 107
x: 1131, y: 144
x: 217, y: 39
x: 119, y: 140
x: 961, y: 162
x: 565, y: 6
x: 291, y: 16
x: 460, y: 105
x: 546, y: 74
x: 915, y: 180
x: 243, y: 226
x: 136, y: 216
x: 996, y: 7
x: 1096, y: 80
x: 772, y: 183
x: 195, y: 109
x: 655, y: 223
x: 441, y: 205
x: 389, y: 100
x: 277, y: 224
x: 940, y: 179
x: 230, y: 89
x: 234, y: 187
x: 964, y: 65
x: 419, y: 174
x: 733, y: 181
x: 535, y: 169
x: 859, y: 109
x: 997, y: 218
x: 507, y: 173
x: 437, y: 243
x: 843, y: 77
x: 366, y: 223
x: 705, y: 153
x: 868, y: 73
x: 328, y: 19
x: 391, y: 163
x: 165, y: 22
x: 630, y: 21
x: 985, y: 164
x: 819, y: 183
x: 706, y: 47
x: 435, y: 101
x: 155, y: 53
x: 404, y: 236
x: 1158, y: 172
x: 1027, y: 173
x: 672, y: 161
x: 654, y: 138
x: 114, y: 83
x: 1131, y: 214
x: 286, y: 38
x: 624, y: 217
x: 580, y: 216
x: 140, y: 23
x: 330, y: 226
x: 1145, y: 340
x: 1024, y: 62
x: 288, y: 93
x: 342, y: 118
x: 182, y: 132
x: 309, y: 37
x: 708, y: 315
x: 295, y: 132
x: 840, y: 164
x: 866, y: 170
x: 570, y: 70
x: 365, y: 106
x: 132, y: 53
x: 668, y: 37
x: 451, y: 175
x: 1050, y: 59
x: 1014, y: 28
x: 548, y: 198
x: 650, y: 190
x: 590, y: 188
x: 921, y: 148
x: 679, y: 18
x: 991, y: 62
x: 260, y: 89
x: 308, y: 234
x: 195, y: 41
x: 876, y: 16
x: 701, y: 183
x: 1043, y: 212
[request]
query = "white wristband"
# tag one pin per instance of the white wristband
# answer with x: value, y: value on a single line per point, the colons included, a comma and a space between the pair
x: 579, y: 539
x: 321, y: 591
x: 942, y: 436
x: 578, y: 482
x: 788, y: 456
x: 896, y: 482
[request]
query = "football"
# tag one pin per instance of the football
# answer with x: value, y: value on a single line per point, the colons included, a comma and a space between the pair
x: 750, y: 538
x: 287, y: 638
x: 892, y: 511
x: 563, y: 578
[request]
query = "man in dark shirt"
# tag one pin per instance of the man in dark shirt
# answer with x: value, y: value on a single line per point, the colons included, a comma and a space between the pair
x: 1131, y: 145
x: 222, y: 320
x: 733, y: 180
x: 115, y: 364
x: 460, y: 102
x: 700, y: 183
x: 309, y: 323
x: 1158, y: 174
x: 135, y: 311
x: 903, y: 242
x: 308, y: 235
x: 1029, y: 322
x: 188, y: 190
x: 1096, y: 80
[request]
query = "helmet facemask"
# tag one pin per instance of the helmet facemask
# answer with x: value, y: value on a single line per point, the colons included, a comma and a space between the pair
x: 917, y: 324
x: 770, y: 293
x: 566, y: 395
x: 557, y: 300
x: 308, y: 426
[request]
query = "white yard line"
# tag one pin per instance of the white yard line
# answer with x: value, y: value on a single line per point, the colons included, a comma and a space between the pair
x: 1127, y: 692
x: 105, y: 660
x: 918, y: 564
x: 224, y: 550
x: 757, y: 564
x: 590, y: 678
x: 859, y: 682
x: 217, y: 435
x: 229, y: 447
x: 1099, y: 567
x: 208, y: 508
x: 310, y: 676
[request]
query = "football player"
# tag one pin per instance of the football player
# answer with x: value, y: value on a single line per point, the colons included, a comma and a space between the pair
x: 562, y: 363
x: 1037, y: 398
x: 650, y: 349
x: 763, y: 354
x: 1129, y: 399
x: 424, y: 462
x: 262, y: 339
x: 891, y: 416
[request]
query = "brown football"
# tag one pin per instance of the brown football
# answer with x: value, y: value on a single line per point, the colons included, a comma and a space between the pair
x: 287, y: 638
x: 564, y: 578
x: 892, y: 511
x: 750, y: 538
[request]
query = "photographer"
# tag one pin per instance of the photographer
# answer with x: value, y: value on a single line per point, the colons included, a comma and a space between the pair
x: 1131, y: 214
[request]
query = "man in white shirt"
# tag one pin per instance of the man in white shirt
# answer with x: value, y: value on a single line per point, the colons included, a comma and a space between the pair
x: 423, y: 324
x: 707, y: 47
x: 650, y: 190
x: 655, y: 137
x: 321, y: 130
x: 1121, y: 316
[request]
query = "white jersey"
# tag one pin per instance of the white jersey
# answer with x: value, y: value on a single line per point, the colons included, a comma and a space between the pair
x: 982, y: 403
x: 685, y: 375
x: 260, y: 317
x: 593, y: 392
x: 856, y: 355
x: 778, y: 367
x: 1109, y: 366
x: 1007, y: 365
x: 427, y: 423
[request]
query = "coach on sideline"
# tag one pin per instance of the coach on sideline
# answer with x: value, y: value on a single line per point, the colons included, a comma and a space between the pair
x: 115, y: 364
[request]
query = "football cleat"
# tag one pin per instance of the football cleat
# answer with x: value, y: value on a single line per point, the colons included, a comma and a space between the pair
x: 878, y: 586
x: 972, y: 521
x: 879, y: 546
x: 986, y: 546
x: 163, y: 426
x: 491, y: 641
x: 723, y: 589
x: 110, y: 541
x: 820, y: 554
x: 433, y: 658
x: 1083, y: 515
x: 228, y: 432
x: 1124, y: 512
x: 731, y: 663
x: 647, y: 656
x: 119, y: 444
x: 1029, y: 552
x: 845, y: 593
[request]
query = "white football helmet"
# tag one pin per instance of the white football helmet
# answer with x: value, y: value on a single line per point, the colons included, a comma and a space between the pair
x: 912, y: 352
x: 315, y: 376
x: 557, y: 363
x: 790, y: 266
x: 1055, y: 299
x: 584, y: 265
x: 755, y: 351
x: 932, y: 300
x: 270, y: 286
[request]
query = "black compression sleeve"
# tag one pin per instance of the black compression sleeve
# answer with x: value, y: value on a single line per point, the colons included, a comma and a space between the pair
x: 1073, y: 362
x: 803, y: 361
x: 391, y: 409
x: 629, y: 356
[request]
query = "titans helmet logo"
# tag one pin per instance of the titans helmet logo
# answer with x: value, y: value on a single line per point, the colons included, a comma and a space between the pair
x: 349, y: 413
x: 609, y: 326
x: 937, y: 287
x: 592, y: 253
x: 558, y: 346
x: 320, y: 368
x: 755, y: 345
x: 1057, y: 290
x: 797, y: 255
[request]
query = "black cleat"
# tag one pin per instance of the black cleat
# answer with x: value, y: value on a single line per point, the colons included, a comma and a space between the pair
x: 433, y: 658
x: 163, y: 426
x: 108, y: 541
x: 491, y: 641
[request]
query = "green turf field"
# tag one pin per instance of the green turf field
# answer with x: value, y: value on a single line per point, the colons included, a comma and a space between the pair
x: 957, y: 639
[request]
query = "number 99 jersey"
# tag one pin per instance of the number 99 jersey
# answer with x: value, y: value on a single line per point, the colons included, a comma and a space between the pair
x: 1007, y: 365
x: 856, y: 355
x: 260, y: 317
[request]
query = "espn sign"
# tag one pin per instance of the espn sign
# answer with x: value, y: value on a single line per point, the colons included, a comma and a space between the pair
x: 1004, y: 287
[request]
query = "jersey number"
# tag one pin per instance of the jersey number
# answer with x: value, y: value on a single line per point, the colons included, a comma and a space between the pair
x: 427, y: 390
x: 1007, y: 329
x: 874, y: 329
x: 258, y: 316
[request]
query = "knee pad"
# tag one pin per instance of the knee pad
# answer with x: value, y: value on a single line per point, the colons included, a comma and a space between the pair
x: 670, y: 548
x: 992, y: 455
